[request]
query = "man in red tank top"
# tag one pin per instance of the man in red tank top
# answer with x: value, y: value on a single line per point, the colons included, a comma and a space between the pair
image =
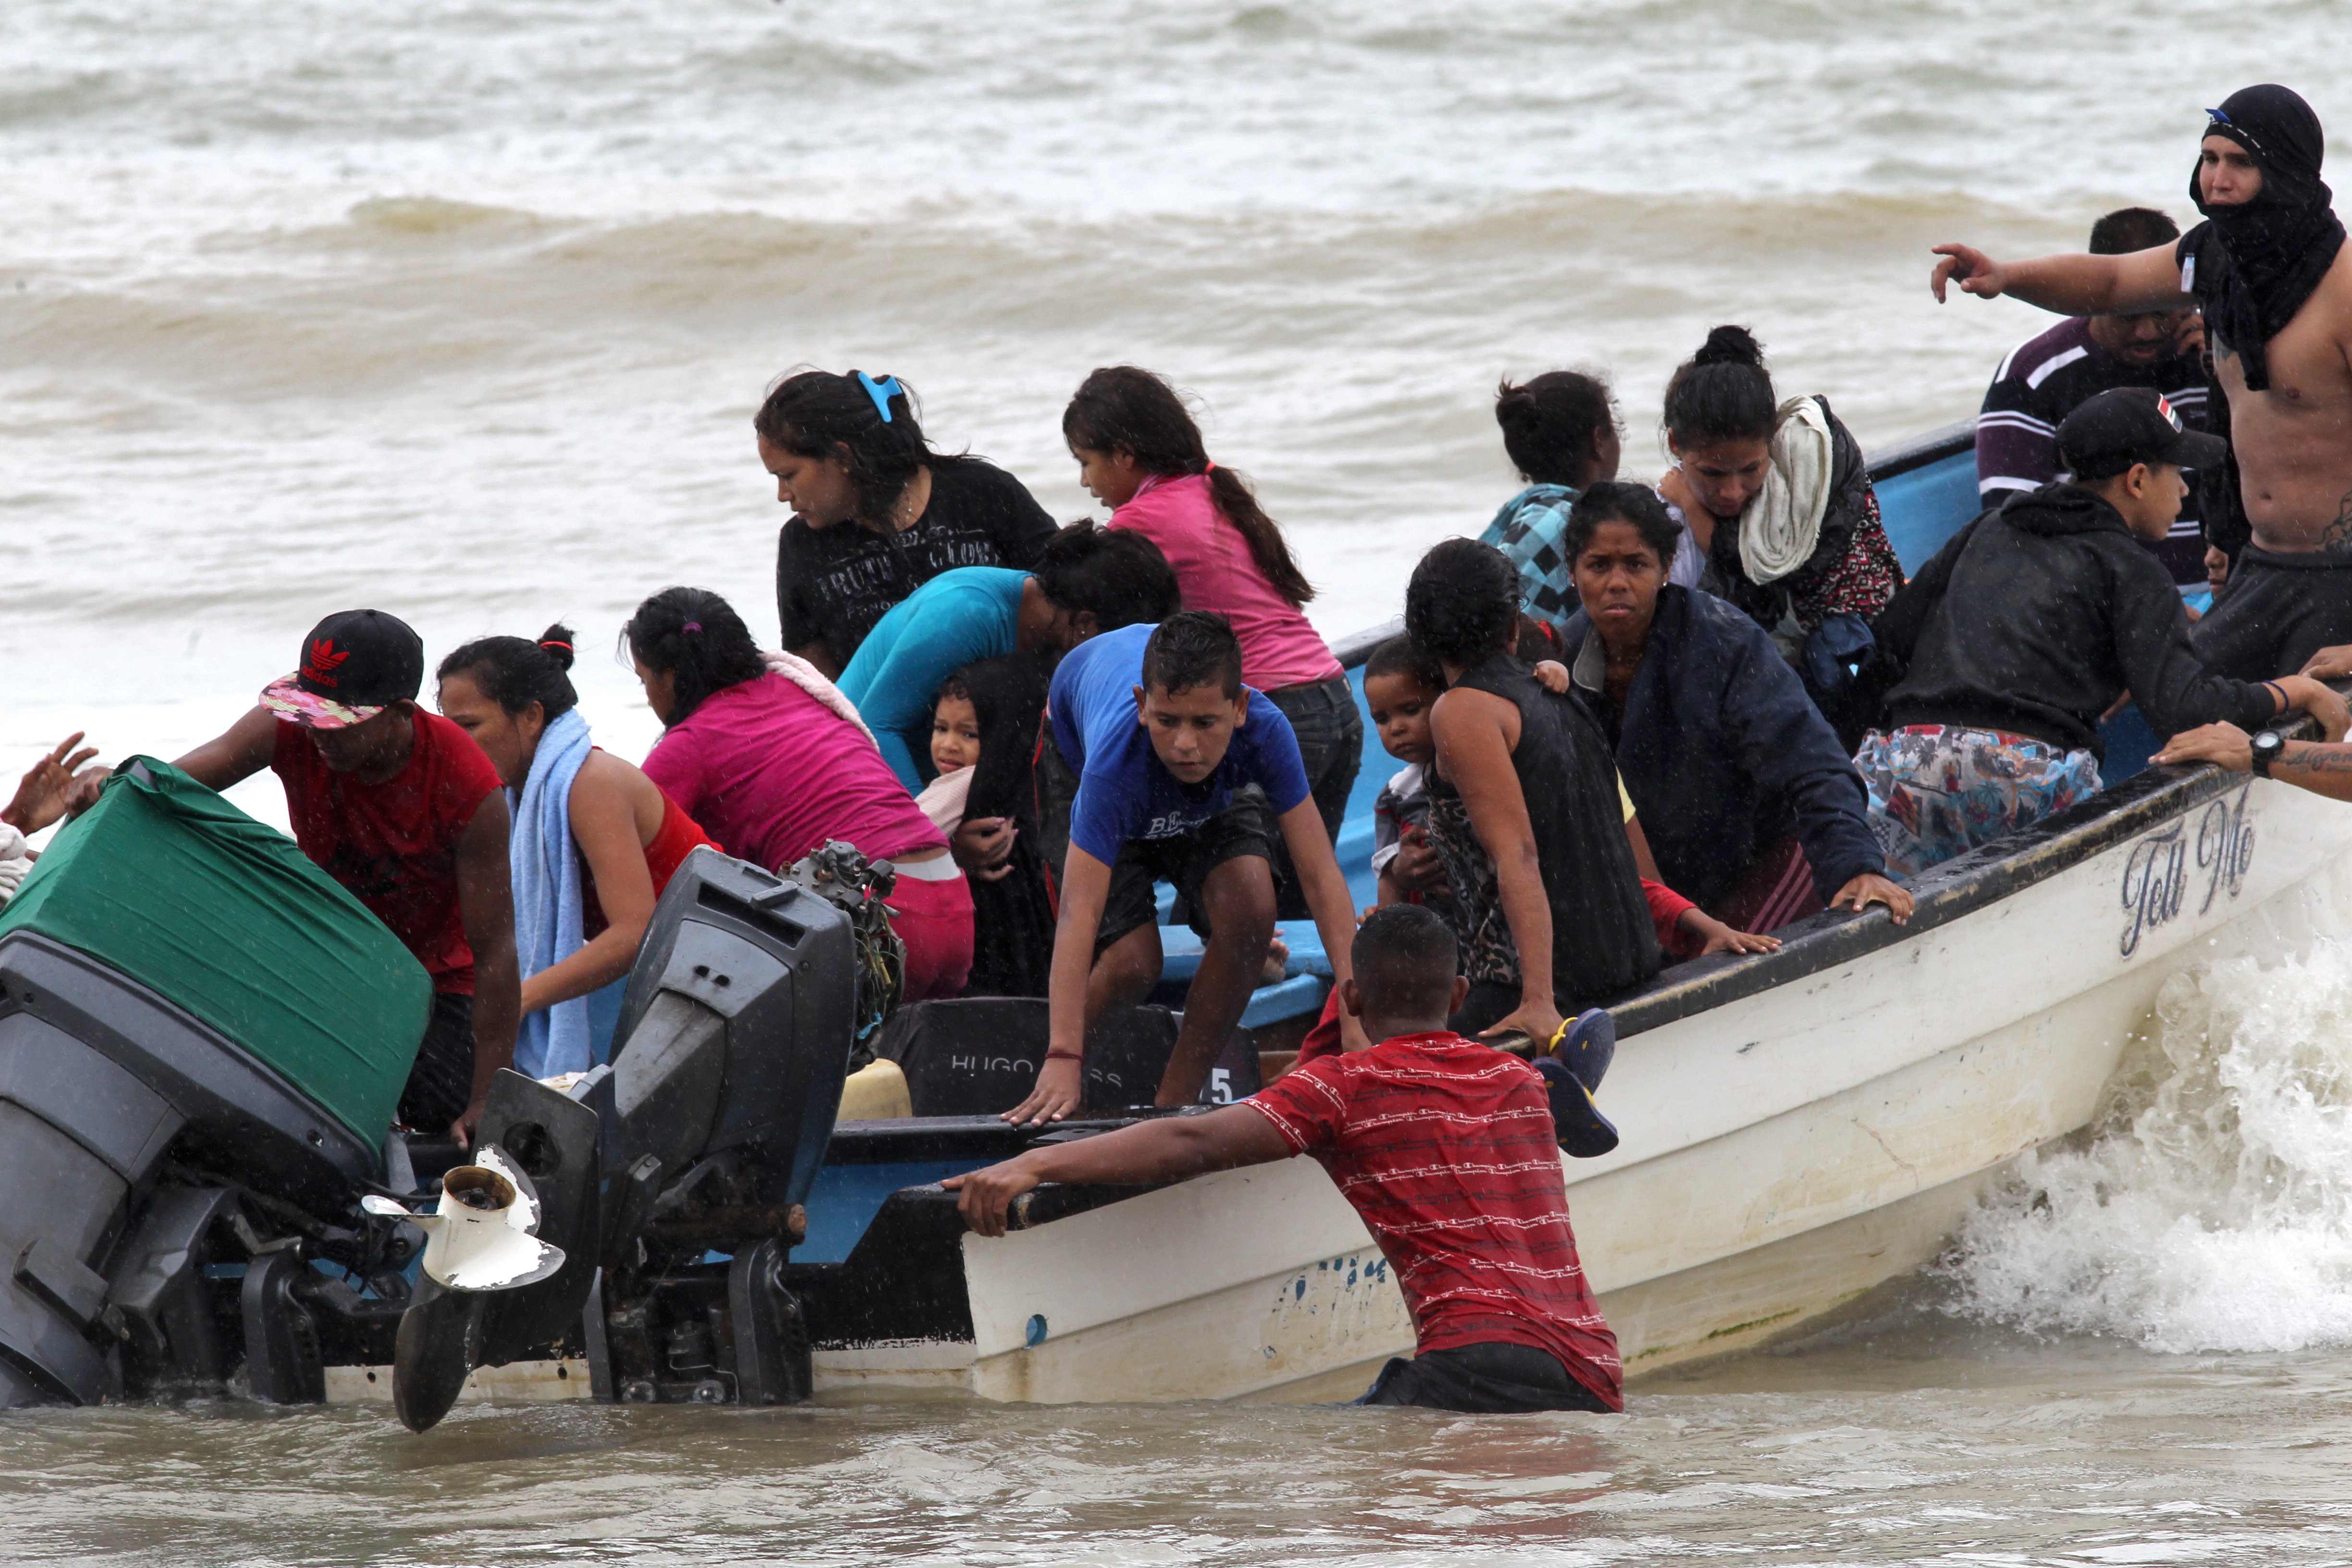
x: 402, y: 808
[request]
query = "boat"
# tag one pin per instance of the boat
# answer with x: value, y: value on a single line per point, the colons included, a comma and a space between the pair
x: 1798, y: 1128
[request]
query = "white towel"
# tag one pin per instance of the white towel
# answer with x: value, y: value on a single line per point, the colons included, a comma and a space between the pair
x: 812, y: 679
x: 16, y: 860
x: 1782, y: 524
x: 944, y: 798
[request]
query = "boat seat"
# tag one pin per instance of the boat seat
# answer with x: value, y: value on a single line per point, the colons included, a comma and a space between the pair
x: 978, y: 1056
x: 1306, y: 974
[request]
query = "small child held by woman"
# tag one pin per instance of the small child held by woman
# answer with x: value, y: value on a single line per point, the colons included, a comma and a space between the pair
x: 985, y: 727
x: 1401, y: 684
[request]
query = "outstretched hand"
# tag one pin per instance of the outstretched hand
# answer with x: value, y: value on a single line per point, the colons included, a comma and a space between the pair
x: 2329, y: 663
x: 1971, y: 269
x: 1873, y: 889
x: 1538, y: 1021
x: 2226, y: 745
x: 48, y: 787
x: 1718, y: 937
x: 2326, y: 705
x: 1059, y: 1085
x: 985, y: 1198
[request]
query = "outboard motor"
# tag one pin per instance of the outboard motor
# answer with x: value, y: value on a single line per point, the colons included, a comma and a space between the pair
x: 701, y: 1138
x: 202, y: 1039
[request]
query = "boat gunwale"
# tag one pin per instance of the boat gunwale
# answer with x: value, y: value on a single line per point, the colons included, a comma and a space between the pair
x: 1959, y: 887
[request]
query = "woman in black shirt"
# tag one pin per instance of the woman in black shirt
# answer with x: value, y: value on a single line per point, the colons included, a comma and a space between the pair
x: 1524, y: 811
x: 875, y: 512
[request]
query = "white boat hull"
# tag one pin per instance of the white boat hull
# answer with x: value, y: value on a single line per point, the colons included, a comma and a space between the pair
x: 1782, y: 1153
x: 1783, y: 1150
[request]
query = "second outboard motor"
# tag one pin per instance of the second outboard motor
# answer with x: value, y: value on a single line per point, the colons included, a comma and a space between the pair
x: 702, y: 1136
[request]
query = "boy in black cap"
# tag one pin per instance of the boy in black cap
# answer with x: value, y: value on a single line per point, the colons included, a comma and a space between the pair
x: 400, y: 806
x: 2270, y: 270
x: 2030, y: 623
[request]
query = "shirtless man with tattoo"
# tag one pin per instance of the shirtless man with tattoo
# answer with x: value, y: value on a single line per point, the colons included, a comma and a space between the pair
x: 2271, y: 270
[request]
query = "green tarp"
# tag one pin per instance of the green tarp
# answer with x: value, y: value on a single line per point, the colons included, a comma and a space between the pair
x: 173, y: 886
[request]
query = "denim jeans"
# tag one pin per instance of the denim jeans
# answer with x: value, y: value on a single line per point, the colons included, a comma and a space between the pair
x: 1330, y: 731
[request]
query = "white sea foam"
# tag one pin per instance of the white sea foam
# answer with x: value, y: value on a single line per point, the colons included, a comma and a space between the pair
x: 2214, y: 1210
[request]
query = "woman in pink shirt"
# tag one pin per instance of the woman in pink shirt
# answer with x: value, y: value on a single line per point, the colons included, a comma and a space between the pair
x: 1139, y: 454
x: 774, y: 767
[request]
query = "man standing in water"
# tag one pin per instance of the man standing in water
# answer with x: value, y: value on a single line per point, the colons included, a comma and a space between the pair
x: 401, y: 808
x: 1446, y: 1148
x: 2270, y: 271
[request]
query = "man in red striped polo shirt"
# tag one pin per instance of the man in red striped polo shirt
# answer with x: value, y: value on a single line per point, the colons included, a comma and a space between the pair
x: 1447, y: 1150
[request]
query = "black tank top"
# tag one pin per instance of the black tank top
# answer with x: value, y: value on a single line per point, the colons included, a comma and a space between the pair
x: 1602, y: 942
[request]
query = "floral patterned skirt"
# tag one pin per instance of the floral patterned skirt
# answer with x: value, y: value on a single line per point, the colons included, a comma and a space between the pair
x: 1937, y: 790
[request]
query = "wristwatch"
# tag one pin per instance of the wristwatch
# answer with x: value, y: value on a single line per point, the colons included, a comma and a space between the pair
x: 2268, y: 747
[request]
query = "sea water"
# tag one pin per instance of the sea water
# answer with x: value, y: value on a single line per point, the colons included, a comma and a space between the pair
x: 461, y: 308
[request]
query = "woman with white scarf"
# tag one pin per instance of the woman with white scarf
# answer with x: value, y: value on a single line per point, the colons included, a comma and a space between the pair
x: 1776, y: 498
x: 595, y: 842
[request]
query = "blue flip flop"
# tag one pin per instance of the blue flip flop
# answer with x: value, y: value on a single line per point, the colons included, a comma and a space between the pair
x: 1583, y: 1132
x: 1586, y: 1044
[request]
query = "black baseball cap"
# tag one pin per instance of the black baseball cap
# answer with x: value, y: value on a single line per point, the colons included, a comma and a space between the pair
x: 355, y: 664
x: 2128, y: 425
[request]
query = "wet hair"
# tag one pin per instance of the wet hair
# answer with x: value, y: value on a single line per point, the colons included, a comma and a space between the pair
x: 1611, y: 502
x: 1402, y: 656
x: 1126, y: 407
x: 1193, y: 649
x: 1722, y: 393
x: 1463, y: 600
x: 1404, y: 958
x: 951, y: 690
x: 695, y: 637
x: 1538, y: 639
x: 2127, y: 229
x: 1114, y: 573
x: 514, y: 672
x: 815, y: 414
x: 1549, y: 423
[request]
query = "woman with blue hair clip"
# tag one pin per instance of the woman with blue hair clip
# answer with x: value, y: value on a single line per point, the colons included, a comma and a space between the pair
x: 875, y: 512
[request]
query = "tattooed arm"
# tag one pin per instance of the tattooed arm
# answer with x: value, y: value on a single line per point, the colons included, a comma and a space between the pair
x: 2316, y: 765
x: 2338, y: 535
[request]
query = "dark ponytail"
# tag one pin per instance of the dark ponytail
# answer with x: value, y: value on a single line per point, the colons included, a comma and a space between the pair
x: 815, y: 414
x: 1127, y: 407
x: 514, y: 672
x: 1722, y: 393
x: 1549, y: 423
x: 696, y: 638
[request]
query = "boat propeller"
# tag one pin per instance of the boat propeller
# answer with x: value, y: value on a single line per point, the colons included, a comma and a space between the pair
x: 482, y: 1239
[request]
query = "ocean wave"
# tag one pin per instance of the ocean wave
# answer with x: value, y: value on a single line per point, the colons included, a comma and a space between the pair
x: 2213, y: 1211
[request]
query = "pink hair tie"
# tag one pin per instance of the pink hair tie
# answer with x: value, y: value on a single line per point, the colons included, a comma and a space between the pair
x: 1210, y: 468
x: 693, y: 626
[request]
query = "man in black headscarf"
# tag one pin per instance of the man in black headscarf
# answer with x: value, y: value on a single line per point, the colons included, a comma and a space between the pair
x: 2271, y: 270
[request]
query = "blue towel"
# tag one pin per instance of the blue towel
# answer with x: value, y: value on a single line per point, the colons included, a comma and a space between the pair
x: 546, y: 873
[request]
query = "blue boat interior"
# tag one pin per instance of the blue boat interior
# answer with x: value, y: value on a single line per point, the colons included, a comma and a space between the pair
x: 1926, y: 492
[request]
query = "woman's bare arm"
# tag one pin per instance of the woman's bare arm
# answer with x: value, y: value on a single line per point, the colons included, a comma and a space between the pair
x: 605, y: 825
x: 1476, y: 732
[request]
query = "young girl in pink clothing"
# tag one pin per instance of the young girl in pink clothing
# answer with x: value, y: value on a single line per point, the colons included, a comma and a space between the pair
x: 1140, y: 453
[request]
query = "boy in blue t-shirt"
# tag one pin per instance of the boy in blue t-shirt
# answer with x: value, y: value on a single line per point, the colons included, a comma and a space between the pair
x: 1184, y: 774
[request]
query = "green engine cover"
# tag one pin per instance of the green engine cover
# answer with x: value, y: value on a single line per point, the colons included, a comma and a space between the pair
x: 220, y: 915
